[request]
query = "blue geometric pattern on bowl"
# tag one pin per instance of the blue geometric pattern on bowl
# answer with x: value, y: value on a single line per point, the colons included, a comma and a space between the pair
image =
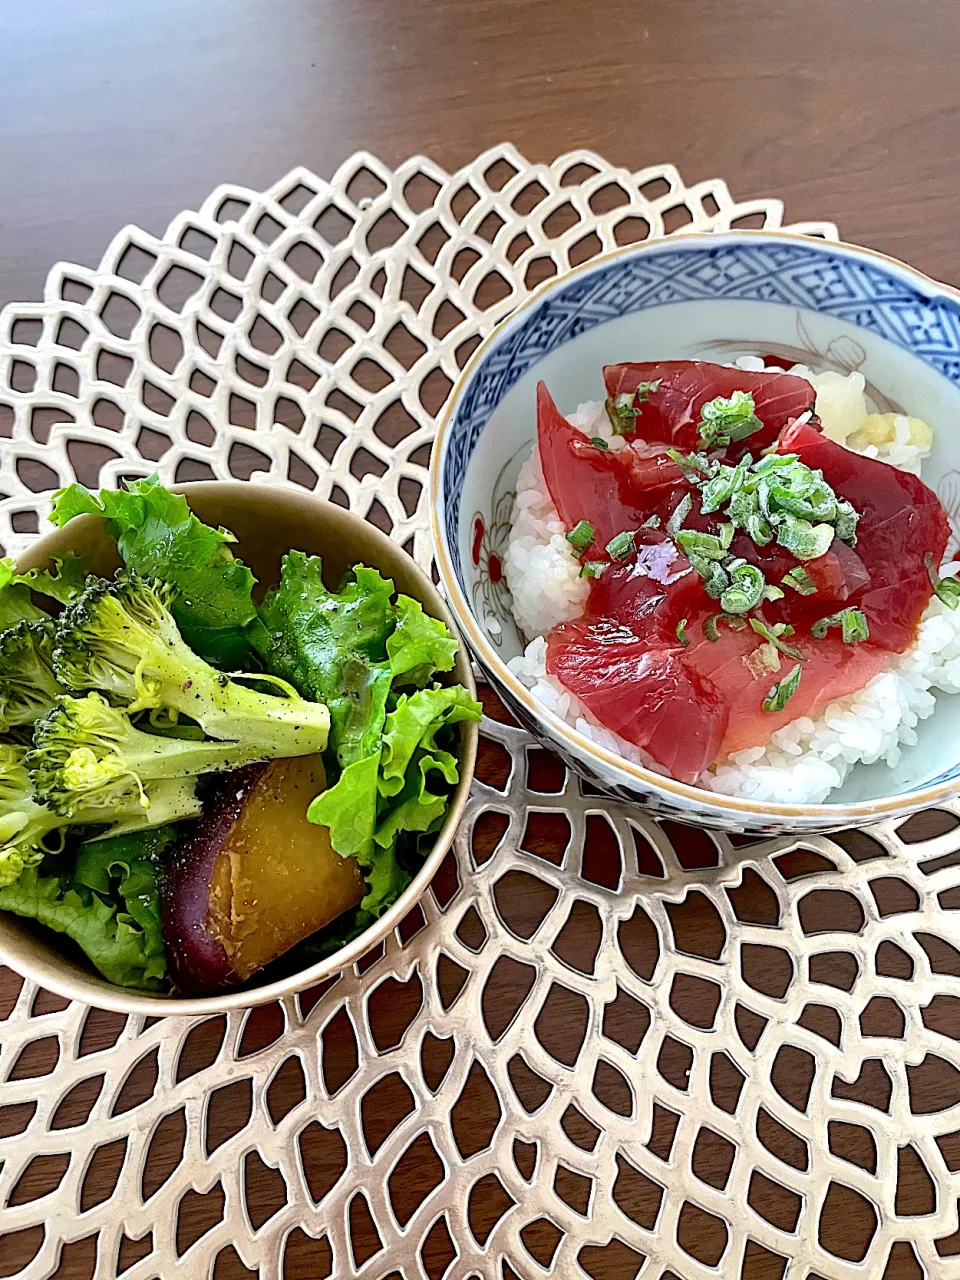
x: 808, y: 277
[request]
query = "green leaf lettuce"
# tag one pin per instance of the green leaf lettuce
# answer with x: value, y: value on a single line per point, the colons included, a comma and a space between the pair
x: 158, y: 536
x: 356, y: 648
x: 109, y: 906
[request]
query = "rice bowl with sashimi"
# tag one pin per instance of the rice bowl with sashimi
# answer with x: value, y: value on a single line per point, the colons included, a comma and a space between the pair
x: 734, y: 576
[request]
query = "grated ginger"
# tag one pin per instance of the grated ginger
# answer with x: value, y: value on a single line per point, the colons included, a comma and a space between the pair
x: 889, y: 428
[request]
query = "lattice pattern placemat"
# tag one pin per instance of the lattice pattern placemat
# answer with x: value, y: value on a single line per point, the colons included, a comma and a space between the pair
x: 661, y: 1052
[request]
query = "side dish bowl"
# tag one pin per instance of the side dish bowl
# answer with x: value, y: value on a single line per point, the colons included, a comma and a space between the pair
x: 267, y: 522
x: 715, y: 298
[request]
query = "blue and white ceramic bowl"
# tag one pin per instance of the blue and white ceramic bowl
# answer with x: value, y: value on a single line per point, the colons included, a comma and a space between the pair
x: 713, y: 297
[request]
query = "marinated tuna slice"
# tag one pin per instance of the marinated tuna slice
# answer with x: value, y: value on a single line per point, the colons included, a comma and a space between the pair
x: 649, y: 696
x: 613, y: 489
x: 902, y: 527
x: 653, y: 586
x: 672, y: 394
x: 830, y: 669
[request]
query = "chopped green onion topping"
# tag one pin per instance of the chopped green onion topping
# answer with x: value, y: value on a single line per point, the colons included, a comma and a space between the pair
x: 758, y: 530
x: 711, y: 628
x: 723, y: 484
x: 845, y: 522
x: 777, y: 496
x: 852, y: 623
x: 682, y: 632
x: 592, y: 568
x: 704, y: 544
x: 622, y: 414
x: 622, y: 546
x: 691, y: 464
x: 800, y: 581
x: 745, y: 591
x: 680, y: 513
x: 774, y: 635
x: 598, y: 442
x: 715, y: 579
x: 773, y: 461
x: 763, y: 661
x: 652, y: 522
x: 781, y: 693
x: 947, y: 589
x: 623, y: 410
x: 725, y: 420
x: 581, y: 535
x: 804, y: 540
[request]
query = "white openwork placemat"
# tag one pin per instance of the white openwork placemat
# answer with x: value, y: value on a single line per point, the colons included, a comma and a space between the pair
x: 669, y: 1054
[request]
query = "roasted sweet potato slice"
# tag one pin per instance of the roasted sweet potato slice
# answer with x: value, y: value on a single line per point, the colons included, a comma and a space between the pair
x: 253, y: 878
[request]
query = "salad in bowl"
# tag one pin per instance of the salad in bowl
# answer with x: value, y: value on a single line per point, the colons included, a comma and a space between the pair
x: 209, y: 785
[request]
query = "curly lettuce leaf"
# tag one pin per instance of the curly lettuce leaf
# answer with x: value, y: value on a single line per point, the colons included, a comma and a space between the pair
x: 351, y: 649
x: 100, y: 860
x: 415, y: 811
x: 72, y: 501
x: 415, y: 722
x: 314, y: 632
x: 15, y: 602
x: 64, y: 582
x: 348, y: 648
x: 386, y: 880
x: 416, y: 807
x: 126, y: 867
x: 419, y: 645
x: 349, y: 809
x: 114, y: 939
x: 358, y: 713
x: 378, y: 800
x: 159, y: 536
x: 331, y: 646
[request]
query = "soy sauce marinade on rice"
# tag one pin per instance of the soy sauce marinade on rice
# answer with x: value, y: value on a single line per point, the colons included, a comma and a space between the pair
x: 734, y: 575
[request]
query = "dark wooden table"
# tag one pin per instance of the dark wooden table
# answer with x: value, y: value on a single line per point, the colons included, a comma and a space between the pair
x: 114, y: 112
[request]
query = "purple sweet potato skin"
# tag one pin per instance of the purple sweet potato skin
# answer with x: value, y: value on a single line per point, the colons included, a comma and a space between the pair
x: 197, y: 959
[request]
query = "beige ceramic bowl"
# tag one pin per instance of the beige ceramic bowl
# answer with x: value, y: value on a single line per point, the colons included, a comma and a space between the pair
x: 267, y: 522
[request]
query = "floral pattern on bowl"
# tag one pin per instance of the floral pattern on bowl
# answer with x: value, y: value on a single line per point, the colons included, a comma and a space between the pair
x: 491, y: 595
x: 842, y: 354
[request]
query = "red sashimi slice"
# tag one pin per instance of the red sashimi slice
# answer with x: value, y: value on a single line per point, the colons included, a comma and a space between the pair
x: 614, y: 489
x: 838, y: 575
x: 901, y: 522
x: 650, y: 592
x: 670, y: 414
x: 831, y: 670
x: 648, y: 696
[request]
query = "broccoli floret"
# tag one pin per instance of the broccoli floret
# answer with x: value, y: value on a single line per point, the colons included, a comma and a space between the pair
x: 168, y: 800
x: 121, y: 638
x: 28, y: 687
x: 88, y: 757
x: 29, y: 829
x: 24, y: 823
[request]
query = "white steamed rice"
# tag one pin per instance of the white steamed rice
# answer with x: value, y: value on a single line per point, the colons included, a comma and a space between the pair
x: 806, y: 759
